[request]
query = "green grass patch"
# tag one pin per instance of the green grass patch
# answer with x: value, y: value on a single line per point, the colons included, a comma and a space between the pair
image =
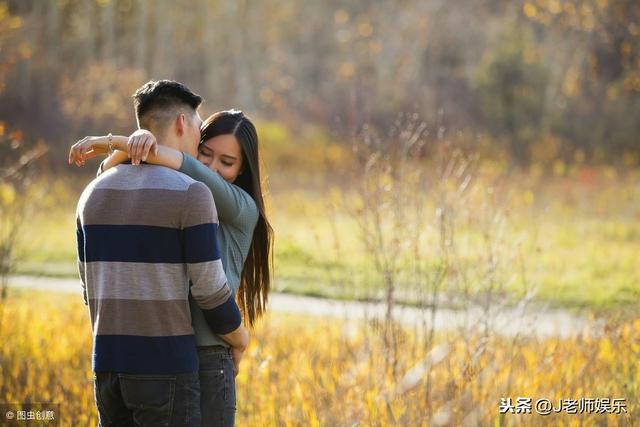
x: 571, y: 255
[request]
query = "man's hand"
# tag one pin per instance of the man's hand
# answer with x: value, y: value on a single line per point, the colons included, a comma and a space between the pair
x: 140, y: 143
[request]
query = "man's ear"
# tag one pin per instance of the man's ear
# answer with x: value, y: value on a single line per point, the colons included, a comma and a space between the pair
x: 180, y: 124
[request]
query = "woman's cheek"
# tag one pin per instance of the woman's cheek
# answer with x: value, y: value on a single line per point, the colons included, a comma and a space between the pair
x: 232, y: 174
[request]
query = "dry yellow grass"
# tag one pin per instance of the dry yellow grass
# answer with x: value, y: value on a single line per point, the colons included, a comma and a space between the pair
x: 302, y: 371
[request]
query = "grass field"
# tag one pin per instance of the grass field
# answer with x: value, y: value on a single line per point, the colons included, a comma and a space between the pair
x: 294, y: 377
x: 576, y: 237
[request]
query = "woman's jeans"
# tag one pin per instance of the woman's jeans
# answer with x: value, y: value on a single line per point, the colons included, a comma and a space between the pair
x: 217, y: 386
x: 147, y: 400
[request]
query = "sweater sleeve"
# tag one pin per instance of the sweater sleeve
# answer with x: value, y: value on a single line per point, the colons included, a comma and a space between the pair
x: 209, y: 286
x: 81, y: 259
x: 235, y: 206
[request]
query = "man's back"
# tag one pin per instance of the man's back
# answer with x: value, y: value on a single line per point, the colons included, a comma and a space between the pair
x: 143, y: 232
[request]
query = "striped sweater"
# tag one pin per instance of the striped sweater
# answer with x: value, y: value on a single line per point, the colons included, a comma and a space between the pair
x: 146, y: 240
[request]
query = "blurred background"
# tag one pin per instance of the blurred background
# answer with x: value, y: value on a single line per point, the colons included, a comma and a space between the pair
x: 447, y: 168
x: 543, y: 80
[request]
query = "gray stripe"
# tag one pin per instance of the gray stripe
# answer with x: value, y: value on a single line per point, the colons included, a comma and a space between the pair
x: 137, y: 281
x: 140, y: 318
x: 211, y: 301
x: 128, y: 177
x: 154, y: 207
x: 209, y: 283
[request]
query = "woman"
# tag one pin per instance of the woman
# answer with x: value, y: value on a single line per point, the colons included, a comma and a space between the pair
x: 228, y: 163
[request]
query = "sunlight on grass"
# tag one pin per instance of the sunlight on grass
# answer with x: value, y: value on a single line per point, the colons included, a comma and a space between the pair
x: 578, y: 243
x: 303, y: 371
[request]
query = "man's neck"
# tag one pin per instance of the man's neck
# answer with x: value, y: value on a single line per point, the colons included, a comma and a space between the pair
x: 168, y: 141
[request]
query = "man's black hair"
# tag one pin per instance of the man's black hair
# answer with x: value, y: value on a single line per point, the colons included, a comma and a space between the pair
x: 163, y: 95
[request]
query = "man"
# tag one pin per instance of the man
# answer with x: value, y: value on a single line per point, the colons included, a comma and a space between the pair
x: 146, y: 239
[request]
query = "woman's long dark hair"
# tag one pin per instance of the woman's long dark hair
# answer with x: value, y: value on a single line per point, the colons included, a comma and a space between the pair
x: 255, y: 280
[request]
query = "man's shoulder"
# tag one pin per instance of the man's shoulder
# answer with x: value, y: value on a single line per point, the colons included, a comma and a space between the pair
x: 165, y: 174
x: 142, y: 193
x: 128, y: 177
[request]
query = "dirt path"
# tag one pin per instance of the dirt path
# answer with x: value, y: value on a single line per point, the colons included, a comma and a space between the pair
x: 522, y: 320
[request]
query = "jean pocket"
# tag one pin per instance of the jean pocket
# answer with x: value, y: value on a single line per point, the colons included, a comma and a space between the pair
x: 212, y: 382
x: 149, y: 397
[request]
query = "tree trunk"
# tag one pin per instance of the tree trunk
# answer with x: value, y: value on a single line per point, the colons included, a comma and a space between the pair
x: 141, y: 35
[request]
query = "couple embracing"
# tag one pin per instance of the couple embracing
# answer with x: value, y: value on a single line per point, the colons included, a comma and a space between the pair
x: 171, y: 234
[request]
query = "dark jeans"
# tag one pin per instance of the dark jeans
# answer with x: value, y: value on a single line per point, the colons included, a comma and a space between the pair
x: 147, y: 400
x: 217, y: 386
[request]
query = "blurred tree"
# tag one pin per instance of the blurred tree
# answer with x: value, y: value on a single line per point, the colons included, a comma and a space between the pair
x: 512, y: 83
x: 599, y: 104
x: 522, y: 70
x: 16, y: 158
x: 12, y: 48
x: 17, y: 163
x: 99, y: 97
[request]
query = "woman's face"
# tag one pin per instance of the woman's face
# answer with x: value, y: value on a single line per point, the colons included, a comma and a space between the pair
x: 222, y: 154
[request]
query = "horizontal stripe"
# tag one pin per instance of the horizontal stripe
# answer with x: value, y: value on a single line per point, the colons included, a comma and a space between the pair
x: 80, y: 244
x: 154, y: 207
x: 129, y: 177
x: 142, y: 318
x: 208, y: 284
x: 140, y: 243
x: 200, y: 243
x: 132, y: 243
x: 145, y: 355
x: 200, y: 208
x: 137, y: 281
x: 224, y: 318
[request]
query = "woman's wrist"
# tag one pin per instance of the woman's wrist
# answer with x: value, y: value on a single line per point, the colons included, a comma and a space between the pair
x: 119, y: 142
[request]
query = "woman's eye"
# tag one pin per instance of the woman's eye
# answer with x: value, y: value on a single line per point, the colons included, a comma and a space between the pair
x: 227, y: 164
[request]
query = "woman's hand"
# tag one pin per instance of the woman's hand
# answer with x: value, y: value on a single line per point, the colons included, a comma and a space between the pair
x: 140, y: 143
x: 238, y: 340
x: 236, y: 355
x: 88, y: 147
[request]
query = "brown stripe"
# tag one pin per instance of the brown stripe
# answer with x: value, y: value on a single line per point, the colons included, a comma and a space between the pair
x: 154, y: 207
x: 141, y: 318
x: 200, y: 206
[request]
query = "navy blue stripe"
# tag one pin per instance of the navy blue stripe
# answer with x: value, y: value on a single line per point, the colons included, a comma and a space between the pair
x: 144, y: 243
x: 80, y: 244
x: 132, y: 243
x: 145, y: 355
x: 200, y: 243
x: 224, y: 318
